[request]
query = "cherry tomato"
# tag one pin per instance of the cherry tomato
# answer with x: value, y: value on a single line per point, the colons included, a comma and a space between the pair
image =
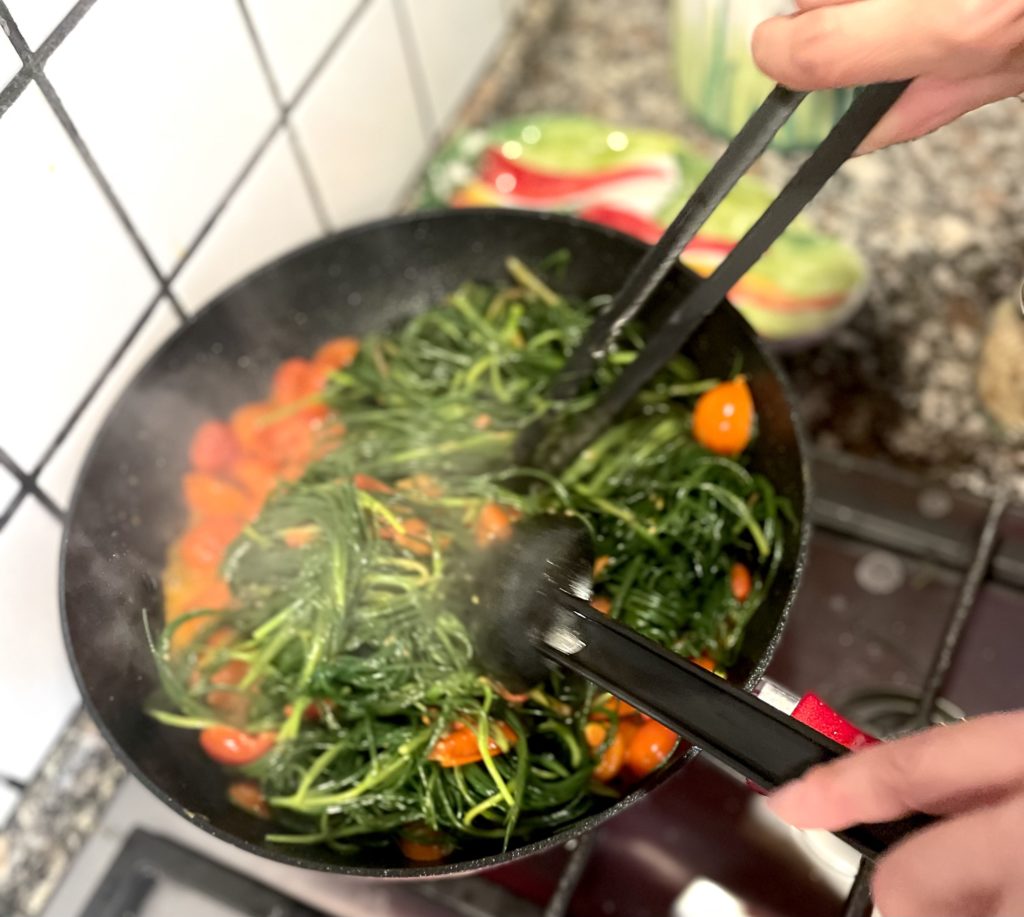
x: 233, y: 747
x: 247, y: 795
x: 289, y: 441
x: 423, y: 845
x: 213, y: 447
x: 602, y: 603
x: 203, y: 545
x: 207, y: 495
x: 337, y: 353
x: 415, y: 538
x: 740, y: 582
x: 610, y: 705
x: 248, y: 423
x: 214, y: 596
x: 614, y: 754
x: 186, y: 633
x: 494, y: 523
x: 601, y: 564
x: 723, y: 418
x: 234, y: 704
x: 705, y: 662
x: 482, y: 421
x: 256, y: 476
x: 298, y: 536
x: 370, y: 484
x: 460, y: 745
x: 291, y: 381
x: 649, y: 748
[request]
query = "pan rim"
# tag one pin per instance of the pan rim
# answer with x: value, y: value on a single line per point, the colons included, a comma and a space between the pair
x: 561, y: 836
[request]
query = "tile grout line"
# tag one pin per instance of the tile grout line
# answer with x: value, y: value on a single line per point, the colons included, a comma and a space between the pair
x: 32, y: 59
x: 90, y: 393
x: 29, y: 481
x: 416, y: 71
x: 28, y: 486
x: 105, y: 187
x: 305, y: 171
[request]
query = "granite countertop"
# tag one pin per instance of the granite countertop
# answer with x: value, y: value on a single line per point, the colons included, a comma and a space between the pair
x: 941, y: 222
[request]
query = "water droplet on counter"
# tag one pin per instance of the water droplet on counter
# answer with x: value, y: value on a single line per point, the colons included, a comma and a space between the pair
x: 846, y: 639
x: 880, y: 573
x: 934, y: 503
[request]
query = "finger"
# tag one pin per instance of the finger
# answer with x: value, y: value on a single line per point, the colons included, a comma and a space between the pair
x: 962, y: 866
x: 848, y: 44
x: 931, y: 102
x: 944, y: 769
x: 804, y: 5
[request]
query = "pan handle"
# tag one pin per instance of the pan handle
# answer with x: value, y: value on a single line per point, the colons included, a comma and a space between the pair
x: 734, y: 727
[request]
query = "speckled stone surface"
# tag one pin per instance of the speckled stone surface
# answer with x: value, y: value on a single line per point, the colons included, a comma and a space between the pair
x: 941, y: 221
x: 57, y: 813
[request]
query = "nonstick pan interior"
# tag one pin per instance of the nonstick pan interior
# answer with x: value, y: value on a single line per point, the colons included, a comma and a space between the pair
x: 127, y: 506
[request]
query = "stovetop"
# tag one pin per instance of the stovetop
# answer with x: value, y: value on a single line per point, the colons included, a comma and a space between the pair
x: 877, y: 623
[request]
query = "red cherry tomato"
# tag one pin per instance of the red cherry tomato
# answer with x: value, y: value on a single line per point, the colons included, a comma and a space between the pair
x: 740, y: 582
x: 233, y: 747
x: 291, y: 381
x: 213, y: 447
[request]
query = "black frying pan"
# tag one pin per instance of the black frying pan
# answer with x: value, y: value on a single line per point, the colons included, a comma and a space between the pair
x: 127, y: 506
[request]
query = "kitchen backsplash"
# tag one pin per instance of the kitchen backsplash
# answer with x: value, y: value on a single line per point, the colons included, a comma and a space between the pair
x: 151, y: 154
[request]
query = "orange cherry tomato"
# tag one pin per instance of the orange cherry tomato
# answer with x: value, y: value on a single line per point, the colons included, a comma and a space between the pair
x: 459, y: 746
x: 614, y: 755
x: 649, y: 748
x: 289, y: 441
x: 601, y: 564
x: 482, y: 421
x: 256, y: 477
x: 602, y: 603
x: 740, y: 582
x: 203, y: 545
x: 207, y: 495
x: 213, y: 447
x: 423, y: 845
x: 705, y: 662
x: 248, y: 423
x: 494, y: 523
x: 247, y: 795
x: 723, y: 418
x: 291, y: 381
x: 415, y: 538
x: 233, y: 747
x: 370, y: 484
x: 298, y: 536
x: 337, y: 353
x: 186, y: 633
x: 214, y: 596
x: 232, y: 703
x: 615, y: 705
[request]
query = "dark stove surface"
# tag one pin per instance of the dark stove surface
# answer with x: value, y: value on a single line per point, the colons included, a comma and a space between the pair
x: 885, y: 566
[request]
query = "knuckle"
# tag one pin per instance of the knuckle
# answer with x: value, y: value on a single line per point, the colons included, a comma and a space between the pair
x: 813, y: 51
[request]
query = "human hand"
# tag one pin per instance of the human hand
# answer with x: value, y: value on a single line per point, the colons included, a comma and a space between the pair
x: 971, y: 863
x: 963, y: 53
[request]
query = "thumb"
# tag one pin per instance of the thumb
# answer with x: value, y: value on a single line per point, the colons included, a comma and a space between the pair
x: 942, y: 770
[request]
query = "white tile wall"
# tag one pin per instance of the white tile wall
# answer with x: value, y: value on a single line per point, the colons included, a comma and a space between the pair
x: 452, y: 58
x: 8, y: 488
x: 61, y: 471
x: 67, y: 264
x: 172, y: 102
x: 295, y: 35
x: 10, y: 63
x: 271, y: 214
x: 38, y: 693
x: 359, y: 122
x: 37, y: 18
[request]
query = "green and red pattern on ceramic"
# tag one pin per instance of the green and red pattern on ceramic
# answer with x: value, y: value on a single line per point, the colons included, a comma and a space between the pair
x: 636, y: 181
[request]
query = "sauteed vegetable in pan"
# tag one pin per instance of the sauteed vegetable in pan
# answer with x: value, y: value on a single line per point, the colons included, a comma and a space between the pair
x: 317, y: 604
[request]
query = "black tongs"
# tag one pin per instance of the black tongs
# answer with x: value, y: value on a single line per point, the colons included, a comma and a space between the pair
x: 538, y: 443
